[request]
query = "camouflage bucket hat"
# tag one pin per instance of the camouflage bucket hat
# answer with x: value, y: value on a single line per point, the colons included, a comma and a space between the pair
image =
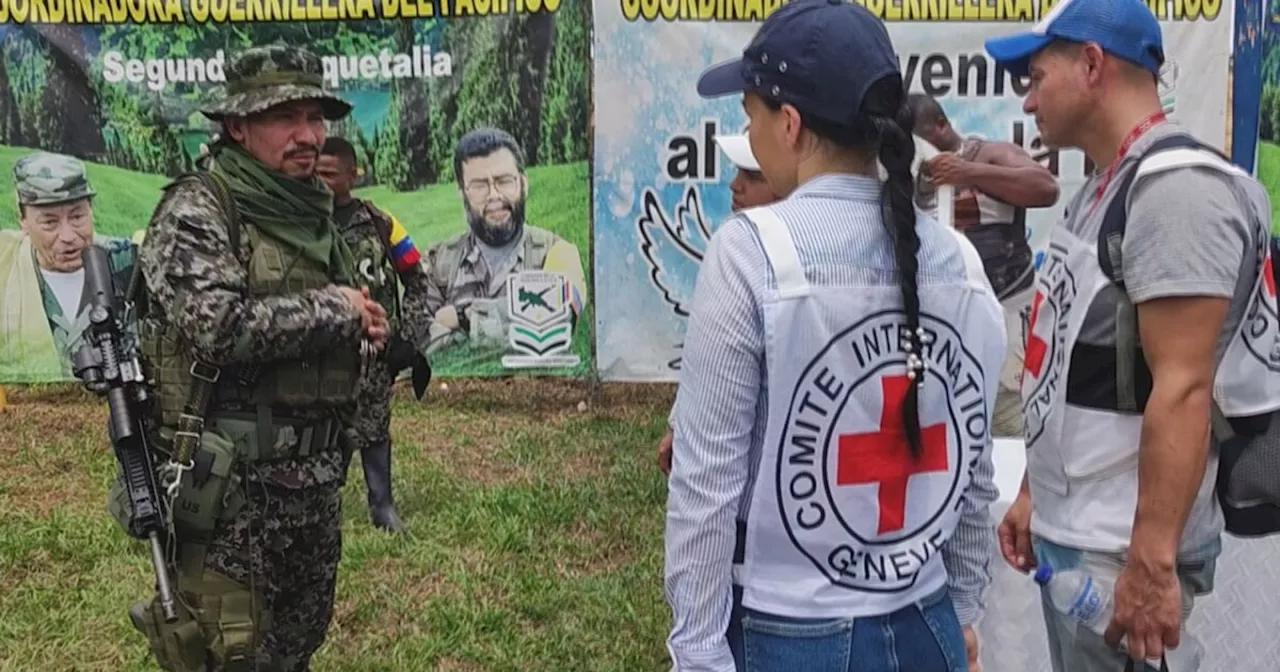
x: 263, y: 77
x: 43, y: 178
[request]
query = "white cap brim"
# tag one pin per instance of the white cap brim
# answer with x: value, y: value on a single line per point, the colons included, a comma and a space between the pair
x: 738, y: 149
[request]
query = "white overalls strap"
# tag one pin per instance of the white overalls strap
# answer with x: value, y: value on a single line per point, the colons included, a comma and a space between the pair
x: 780, y: 249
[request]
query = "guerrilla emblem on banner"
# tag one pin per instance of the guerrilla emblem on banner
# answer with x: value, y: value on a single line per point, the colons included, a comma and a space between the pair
x: 852, y: 498
x: 541, y: 329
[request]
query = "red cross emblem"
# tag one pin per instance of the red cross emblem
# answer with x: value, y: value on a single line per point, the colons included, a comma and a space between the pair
x: 1033, y: 358
x: 884, y: 457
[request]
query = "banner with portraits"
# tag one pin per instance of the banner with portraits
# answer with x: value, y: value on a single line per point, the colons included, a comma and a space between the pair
x: 570, y: 127
x: 662, y: 182
x: 471, y: 123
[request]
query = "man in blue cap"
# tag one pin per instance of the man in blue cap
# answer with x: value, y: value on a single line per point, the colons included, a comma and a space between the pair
x: 1128, y: 347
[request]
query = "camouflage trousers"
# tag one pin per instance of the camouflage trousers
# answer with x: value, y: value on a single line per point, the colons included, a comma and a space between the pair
x: 373, y: 419
x: 261, y: 589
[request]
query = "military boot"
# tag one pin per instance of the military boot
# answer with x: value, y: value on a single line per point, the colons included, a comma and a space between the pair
x: 376, y: 458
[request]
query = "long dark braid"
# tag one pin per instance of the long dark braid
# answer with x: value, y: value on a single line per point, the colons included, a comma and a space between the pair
x: 885, y: 122
x: 897, y: 151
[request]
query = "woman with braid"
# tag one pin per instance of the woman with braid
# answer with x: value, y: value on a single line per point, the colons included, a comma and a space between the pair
x: 832, y: 469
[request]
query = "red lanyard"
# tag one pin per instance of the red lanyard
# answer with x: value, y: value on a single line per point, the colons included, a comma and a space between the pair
x: 1137, y: 132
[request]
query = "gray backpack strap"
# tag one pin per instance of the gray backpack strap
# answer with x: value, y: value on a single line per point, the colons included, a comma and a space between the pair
x: 1132, y: 378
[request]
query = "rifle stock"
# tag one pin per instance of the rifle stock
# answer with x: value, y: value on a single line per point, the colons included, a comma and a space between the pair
x: 107, y: 363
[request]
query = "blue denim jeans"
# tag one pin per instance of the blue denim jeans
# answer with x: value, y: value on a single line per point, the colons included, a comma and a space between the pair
x: 1075, y: 648
x: 924, y: 637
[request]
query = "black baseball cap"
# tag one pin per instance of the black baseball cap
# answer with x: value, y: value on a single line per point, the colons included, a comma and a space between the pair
x: 820, y: 56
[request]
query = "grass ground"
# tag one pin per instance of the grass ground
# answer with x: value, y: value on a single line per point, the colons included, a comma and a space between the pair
x: 534, y: 543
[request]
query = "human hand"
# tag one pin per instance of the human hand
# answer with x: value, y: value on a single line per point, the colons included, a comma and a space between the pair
x: 373, y: 317
x: 971, y: 648
x: 947, y: 168
x: 1015, y: 534
x: 1148, y: 609
x: 664, y: 452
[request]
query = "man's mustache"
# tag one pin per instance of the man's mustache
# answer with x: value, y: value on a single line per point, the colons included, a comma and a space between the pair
x: 312, y: 151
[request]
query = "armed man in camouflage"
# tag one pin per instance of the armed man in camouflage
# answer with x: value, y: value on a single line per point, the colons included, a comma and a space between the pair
x: 384, y: 253
x: 469, y: 272
x: 255, y: 331
x: 42, y: 318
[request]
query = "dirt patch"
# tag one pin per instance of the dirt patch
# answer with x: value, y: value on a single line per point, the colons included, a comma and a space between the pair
x: 47, y: 442
x: 450, y: 664
x: 601, y: 552
x: 47, y: 432
x: 476, y: 447
x: 538, y: 396
x: 407, y: 580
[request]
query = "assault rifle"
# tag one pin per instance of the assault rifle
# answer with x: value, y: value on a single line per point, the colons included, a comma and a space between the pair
x: 107, y: 363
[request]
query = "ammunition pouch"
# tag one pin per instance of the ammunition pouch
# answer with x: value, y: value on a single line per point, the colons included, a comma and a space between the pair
x: 210, y: 491
x: 220, y: 621
x: 178, y: 646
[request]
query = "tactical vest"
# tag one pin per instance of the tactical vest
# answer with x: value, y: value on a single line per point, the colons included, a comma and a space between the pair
x: 843, y: 521
x: 447, y: 267
x: 369, y: 239
x: 323, y: 378
x: 1083, y: 404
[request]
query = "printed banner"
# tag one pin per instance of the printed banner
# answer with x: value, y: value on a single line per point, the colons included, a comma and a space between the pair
x: 99, y: 108
x: 1268, y: 157
x: 662, y: 183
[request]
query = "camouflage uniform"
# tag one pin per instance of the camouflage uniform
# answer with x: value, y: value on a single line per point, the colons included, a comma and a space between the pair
x: 368, y: 231
x: 43, y: 178
x: 257, y: 524
x: 460, y: 277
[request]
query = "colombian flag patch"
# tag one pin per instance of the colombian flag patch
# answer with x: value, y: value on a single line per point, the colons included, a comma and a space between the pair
x: 403, y: 252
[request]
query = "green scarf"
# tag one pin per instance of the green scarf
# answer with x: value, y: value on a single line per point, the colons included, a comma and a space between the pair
x: 298, y: 213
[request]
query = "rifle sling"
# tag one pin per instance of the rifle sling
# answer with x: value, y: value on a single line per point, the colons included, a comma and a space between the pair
x: 191, y: 421
x: 203, y: 376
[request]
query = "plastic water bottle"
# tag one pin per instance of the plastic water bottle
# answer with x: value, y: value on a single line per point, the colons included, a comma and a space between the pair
x: 1078, y: 595
x: 1081, y: 596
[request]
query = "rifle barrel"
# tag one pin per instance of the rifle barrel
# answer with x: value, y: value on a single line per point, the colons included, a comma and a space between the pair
x: 162, y: 579
x: 97, y: 278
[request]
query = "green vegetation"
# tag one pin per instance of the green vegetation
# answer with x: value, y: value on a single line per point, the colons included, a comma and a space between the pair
x: 1269, y: 175
x: 124, y: 203
x: 527, y: 74
x: 534, y: 543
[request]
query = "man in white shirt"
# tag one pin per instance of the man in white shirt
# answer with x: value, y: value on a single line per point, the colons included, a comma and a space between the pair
x: 41, y: 318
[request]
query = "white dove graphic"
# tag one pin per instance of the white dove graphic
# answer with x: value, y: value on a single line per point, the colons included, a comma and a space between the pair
x: 673, y: 246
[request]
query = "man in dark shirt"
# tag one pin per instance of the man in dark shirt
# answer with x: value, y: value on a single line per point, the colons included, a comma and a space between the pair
x: 995, y: 182
x: 385, y: 257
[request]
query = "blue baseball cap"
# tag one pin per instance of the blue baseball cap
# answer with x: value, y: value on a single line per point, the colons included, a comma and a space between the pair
x: 1125, y: 28
x: 820, y: 56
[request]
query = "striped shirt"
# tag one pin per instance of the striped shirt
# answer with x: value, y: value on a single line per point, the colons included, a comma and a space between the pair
x: 722, y: 405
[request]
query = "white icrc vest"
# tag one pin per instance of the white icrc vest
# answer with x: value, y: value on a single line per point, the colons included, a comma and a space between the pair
x: 1082, y: 461
x: 842, y: 522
